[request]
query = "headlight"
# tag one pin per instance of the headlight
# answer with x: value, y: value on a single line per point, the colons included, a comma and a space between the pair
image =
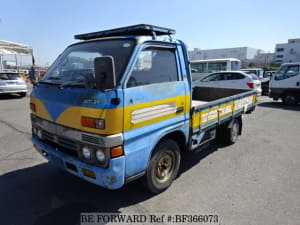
x: 100, y: 156
x: 86, y: 153
x: 39, y: 133
x: 34, y: 130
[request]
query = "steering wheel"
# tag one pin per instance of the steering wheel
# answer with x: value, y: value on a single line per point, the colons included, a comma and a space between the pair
x: 78, y: 76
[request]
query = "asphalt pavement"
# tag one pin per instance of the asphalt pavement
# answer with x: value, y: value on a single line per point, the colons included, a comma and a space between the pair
x: 255, y: 181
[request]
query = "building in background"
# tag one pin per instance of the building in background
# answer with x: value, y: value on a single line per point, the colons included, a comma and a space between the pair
x: 15, y: 56
x: 245, y: 54
x: 288, y: 52
x: 266, y: 58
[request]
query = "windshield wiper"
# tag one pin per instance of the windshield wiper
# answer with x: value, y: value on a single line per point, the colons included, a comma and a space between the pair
x: 46, y: 82
x: 72, y: 84
x: 53, y: 78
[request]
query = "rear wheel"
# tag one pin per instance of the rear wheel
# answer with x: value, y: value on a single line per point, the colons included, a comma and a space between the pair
x: 231, y: 134
x: 290, y: 99
x: 163, y: 166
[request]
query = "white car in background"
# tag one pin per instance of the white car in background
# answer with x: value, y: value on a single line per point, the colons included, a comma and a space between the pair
x: 12, y: 83
x: 259, y: 72
x: 230, y: 79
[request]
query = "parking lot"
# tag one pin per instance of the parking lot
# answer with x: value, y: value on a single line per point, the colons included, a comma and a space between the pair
x: 255, y: 181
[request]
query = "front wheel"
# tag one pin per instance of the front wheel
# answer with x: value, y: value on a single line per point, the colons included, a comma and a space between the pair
x: 163, y: 166
x: 289, y: 99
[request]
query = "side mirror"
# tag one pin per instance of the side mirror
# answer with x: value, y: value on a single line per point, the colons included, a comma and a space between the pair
x: 105, y: 75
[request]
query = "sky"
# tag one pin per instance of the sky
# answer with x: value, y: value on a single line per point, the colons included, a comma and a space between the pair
x: 49, y: 26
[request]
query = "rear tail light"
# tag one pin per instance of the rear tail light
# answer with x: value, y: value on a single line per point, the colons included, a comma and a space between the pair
x: 250, y: 84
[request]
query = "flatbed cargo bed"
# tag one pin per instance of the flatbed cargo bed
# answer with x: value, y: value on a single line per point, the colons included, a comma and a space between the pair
x: 212, y: 106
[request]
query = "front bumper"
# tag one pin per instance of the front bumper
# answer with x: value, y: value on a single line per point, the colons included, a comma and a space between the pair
x: 110, y: 178
x: 13, y: 89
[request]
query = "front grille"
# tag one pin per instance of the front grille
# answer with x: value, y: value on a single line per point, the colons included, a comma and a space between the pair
x: 91, y: 139
x: 61, y: 144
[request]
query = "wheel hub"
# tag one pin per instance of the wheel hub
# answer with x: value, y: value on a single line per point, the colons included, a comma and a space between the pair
x: 165, y: 167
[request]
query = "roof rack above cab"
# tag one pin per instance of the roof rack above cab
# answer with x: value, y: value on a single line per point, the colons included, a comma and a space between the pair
x: 136, y: 30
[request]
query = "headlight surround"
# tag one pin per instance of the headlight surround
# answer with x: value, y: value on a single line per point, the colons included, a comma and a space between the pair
x: 94, y: 155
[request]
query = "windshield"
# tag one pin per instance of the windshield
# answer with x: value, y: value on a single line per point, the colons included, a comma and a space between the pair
x: 76, y: 65
x: 287, y: 71
x: 9, y: 76
x: 250, y: 71
x: 254, y: 77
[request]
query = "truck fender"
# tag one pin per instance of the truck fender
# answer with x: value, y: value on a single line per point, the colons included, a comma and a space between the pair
x: 177, y: 135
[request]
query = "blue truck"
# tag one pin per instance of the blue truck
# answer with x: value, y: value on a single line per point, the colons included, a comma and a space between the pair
x: 118, y: 106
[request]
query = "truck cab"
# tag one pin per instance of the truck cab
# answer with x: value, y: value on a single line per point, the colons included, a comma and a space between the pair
x: 87, y: 123
x: 285, y: 84
x: 117, y: 106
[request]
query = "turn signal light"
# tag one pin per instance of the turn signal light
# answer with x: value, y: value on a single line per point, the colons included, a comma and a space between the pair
x: 88, y: 122
x: 32, y: 107
x: 116, y: 151
x: 93, y: 123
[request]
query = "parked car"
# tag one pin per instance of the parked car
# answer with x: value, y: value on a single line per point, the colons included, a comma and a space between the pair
x: 256, y: 71
x: 285, y: 84
x: 230, y: 79
x: 12, y: 83
x: 264, y: 78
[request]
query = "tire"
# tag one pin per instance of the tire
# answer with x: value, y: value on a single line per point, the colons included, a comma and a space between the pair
x: 231, y: 134
x: 163, y: 166
x: 289, y: 99
x: 22, y: 94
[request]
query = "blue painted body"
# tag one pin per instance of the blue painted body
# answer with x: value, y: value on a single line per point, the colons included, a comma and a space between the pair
x: 111, y: 177
x: 138, y: 143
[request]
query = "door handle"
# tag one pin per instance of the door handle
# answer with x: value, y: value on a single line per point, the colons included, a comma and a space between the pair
x: 179, y: 109
x: 298, y: 83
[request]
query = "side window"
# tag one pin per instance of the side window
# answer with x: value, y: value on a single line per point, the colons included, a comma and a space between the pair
x: 292, y: 71
x: 212, y: 77
x: 235, y: 65
x: 199, y: 67
x: 233, y: 76
x: 154, y: 65
x: 216, y: 66
x: 286, y: 72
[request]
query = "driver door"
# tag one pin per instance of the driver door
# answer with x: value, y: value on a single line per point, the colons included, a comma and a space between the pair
x: 155, y: 101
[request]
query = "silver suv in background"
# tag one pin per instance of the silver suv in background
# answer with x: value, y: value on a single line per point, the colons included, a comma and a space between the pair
x: 256, y: 71
x: 264, y: 77
x: 230, y: 79
x: 12, y: 83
